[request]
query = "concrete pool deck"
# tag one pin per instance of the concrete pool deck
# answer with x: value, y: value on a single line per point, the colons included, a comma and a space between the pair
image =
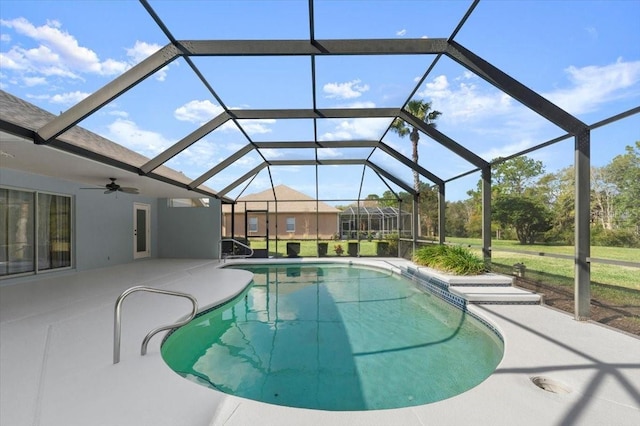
x: 56, y: 349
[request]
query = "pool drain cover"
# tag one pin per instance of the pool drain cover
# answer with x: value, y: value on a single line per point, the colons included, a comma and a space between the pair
x: 550, y: 385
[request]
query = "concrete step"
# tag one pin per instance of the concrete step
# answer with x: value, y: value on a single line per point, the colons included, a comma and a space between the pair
x: 489, y: 288
x: 496, y: 295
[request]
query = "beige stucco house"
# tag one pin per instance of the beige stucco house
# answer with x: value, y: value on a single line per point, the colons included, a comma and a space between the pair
x: 295, y: 216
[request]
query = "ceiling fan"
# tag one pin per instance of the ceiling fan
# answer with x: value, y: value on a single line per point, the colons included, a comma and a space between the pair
x: 114, y: 187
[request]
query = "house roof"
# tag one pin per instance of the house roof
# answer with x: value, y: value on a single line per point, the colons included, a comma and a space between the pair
x: 21, y: 120
x: 373, y: 211
x: 289, y: 201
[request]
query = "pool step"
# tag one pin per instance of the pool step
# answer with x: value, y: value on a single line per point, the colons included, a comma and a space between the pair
x: 496, y: 295
x: 481, y: 289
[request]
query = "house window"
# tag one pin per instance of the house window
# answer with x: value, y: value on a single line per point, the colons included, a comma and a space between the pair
x: 291, y: 224
x: 253, y: 224
x: 35, y: 231
x: 188, y: 202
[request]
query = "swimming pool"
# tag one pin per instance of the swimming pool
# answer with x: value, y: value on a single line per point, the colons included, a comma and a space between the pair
x: 334, y: 337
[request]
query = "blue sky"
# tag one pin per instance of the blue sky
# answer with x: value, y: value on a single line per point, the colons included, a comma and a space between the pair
x: 582, y: 55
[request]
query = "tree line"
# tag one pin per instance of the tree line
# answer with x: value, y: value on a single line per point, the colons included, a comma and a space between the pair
x: 530, y: 205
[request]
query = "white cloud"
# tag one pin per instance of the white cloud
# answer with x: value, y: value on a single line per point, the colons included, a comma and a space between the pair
x: 198, y: 112
x: 589, y: 88
x: 592, y: 31
x: 58, y: 50
x: 256, y: 127
x: 198, y: 158
x: 34, y: 81
x: 358, y: 128
x: 70, y: 98
x: 128, y: 134
x: 118, y: 113
x: 348, y: 90
x: 329, y: 153
x: 401, y: 32
x: 465, y: 100
x: 271, y: 153
x: 142, y: 50
x: 506, y: 150
x: 592, y: 86
x: 59, y: 54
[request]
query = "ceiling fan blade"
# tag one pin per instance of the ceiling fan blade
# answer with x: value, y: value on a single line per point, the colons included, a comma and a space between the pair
x: 128, y: 190
x: 109, y: 191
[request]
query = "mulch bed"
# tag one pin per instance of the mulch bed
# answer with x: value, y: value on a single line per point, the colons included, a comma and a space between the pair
x: 625, y: 318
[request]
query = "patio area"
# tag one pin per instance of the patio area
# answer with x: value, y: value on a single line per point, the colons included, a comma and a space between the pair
x: 57, y: 346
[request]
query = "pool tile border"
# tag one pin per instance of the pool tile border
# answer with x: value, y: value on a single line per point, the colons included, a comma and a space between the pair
x: 440, y: 289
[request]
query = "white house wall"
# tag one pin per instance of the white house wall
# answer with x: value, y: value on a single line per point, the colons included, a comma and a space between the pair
x: 103, y: 223
x: 189, y: 232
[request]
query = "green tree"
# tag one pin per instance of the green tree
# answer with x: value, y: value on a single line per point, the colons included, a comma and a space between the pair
x: 558, y: 192
x: 624, y: 172
x: 529, y: 217
x: 517, y: 176
x: 457, y: 217
x: 421, y: 110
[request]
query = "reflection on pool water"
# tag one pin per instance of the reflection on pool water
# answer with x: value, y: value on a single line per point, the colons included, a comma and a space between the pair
x: 334, y: 337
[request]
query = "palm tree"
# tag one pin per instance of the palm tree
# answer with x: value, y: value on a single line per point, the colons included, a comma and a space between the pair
x: 421, y: 110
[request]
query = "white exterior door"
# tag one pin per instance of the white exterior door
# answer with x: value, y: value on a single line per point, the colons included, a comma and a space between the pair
x: 141, y: 230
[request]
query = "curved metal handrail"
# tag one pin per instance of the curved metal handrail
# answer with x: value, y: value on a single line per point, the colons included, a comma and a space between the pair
x: 117, y: 326
x: 240, y: 256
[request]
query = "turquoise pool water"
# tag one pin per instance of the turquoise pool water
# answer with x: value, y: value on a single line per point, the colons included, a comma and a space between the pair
x: 334, y: 337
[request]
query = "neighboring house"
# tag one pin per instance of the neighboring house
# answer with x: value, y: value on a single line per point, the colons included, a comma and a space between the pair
x: 294, y: 216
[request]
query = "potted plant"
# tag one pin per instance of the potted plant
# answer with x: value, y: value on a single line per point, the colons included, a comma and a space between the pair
x: 338, y: 249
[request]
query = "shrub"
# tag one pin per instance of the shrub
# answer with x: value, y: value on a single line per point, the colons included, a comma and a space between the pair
x: 614, y: 238
x: 392, y: 247
x: 452, y: 259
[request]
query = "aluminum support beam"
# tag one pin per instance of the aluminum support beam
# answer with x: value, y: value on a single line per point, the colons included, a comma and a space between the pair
x: 106, y: 94
x: 265, y: 114
x: 391, y: 177
x: 415, y: 222
x: 341, y: 162
x: 317, y: 47
x: 319, y: 144
x: 441, y: 213
x: 486, y: 217
x: 443, y: 140
x: 244, y: 177
x: 221, y: 166
x: 515, y: 89
x: 185, y: 143
x: 411, y: 164
x: 582, y: 276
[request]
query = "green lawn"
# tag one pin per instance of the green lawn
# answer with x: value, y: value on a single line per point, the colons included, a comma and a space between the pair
x: 614, y: 253
x: 617, y: 284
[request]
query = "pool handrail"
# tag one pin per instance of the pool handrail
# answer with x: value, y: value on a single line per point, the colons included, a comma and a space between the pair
x: 234, y: 256
x: 117, y: 326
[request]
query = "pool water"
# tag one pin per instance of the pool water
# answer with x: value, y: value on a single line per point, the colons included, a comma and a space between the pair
x: 334, y: 337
